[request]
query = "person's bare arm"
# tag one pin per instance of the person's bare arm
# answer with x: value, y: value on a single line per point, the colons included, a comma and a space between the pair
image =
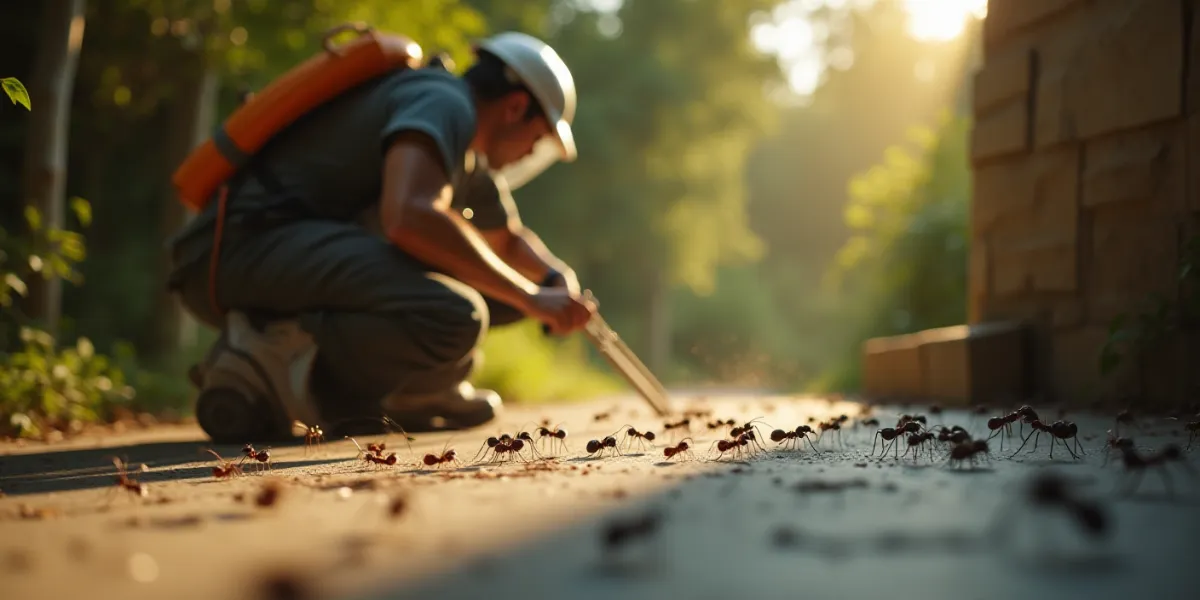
x: 416, y: 216
x: 521, y: 248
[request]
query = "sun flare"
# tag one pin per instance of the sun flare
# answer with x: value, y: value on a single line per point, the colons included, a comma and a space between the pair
x: 941, y: 20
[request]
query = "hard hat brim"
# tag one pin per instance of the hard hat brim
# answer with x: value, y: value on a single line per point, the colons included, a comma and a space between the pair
x: 566, y: 140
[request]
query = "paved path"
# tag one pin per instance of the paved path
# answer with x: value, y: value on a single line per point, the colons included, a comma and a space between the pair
x: 777, y: 525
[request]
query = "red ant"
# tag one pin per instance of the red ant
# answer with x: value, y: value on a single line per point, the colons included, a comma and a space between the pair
x: 262, y: 456
x: 598, y: 446
x: 554, y: 433
x: 1138, y: 464
x: 736, y: 444
x: 968, y: 451
x: 641, y: 436
x: 505, y: 444
x: 127, y: 483
x: 374, y: 454
x: 678, y: 450
x: 793, y: 438
x: 446, y: 457
x: 749, y: 431
x: 313, y: 436
x: 224, y: 468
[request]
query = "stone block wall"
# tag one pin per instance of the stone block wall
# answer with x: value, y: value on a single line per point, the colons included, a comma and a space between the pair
x: 1086, y: 160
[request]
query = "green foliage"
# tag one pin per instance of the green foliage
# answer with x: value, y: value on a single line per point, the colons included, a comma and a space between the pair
x: 523, y: 365
x: 904, y: 268
x: 1159, y: 318
x: 16, y: 91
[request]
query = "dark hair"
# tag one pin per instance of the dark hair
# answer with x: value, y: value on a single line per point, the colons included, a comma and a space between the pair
x: 491, y: 79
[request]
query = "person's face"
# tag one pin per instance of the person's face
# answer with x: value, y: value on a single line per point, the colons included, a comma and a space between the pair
x: 515, y: 136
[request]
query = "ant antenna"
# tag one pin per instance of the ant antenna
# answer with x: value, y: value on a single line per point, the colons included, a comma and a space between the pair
x: 360, y: 450
x: 214, y: 453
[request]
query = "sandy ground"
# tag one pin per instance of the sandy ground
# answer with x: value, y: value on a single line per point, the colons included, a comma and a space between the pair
x: 781, y: 524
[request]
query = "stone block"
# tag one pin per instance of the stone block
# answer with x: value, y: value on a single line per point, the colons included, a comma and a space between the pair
x: 1119, y: 68
x: 1004, y: 78
x: 1030, y: 217
x: 1049, y: 310
x: 1013, y: 188
x: 1001, y: 132
x: 1132, y: 256
x: 1146, y: 167
x: 1006, y: 17
x: 1075, y: 369
x: 892, y: 367
x: 982, y: 363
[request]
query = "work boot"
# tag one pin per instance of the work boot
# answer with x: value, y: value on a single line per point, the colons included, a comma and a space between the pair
x: 460, y: 407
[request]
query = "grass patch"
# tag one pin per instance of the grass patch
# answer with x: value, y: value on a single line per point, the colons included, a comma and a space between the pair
x: 526, y: 367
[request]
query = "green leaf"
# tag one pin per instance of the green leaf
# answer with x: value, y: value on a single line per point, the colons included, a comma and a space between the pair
x: 15, y: 283
x: 1117, y: 323
x: 33, y: 218
x: 83, y: 210
x: 16, y: 91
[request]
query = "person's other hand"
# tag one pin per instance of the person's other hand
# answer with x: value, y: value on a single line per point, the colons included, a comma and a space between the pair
x: 561, y: 311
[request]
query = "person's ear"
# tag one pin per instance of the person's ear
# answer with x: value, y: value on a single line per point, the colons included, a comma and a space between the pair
x: 515, y: 107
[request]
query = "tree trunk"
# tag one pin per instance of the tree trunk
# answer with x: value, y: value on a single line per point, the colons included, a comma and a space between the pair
x: 45, y: 169
x: 192, y: 114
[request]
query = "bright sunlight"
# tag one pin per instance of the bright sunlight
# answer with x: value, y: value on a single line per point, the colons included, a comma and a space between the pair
x: 941, y: 20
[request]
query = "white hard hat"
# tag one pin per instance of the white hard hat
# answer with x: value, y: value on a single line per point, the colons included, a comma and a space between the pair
x: 546, y: 75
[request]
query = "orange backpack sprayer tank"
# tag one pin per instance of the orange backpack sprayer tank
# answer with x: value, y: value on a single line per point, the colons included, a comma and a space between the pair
x: 286, y: 99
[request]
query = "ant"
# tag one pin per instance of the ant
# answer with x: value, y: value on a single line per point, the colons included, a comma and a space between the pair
x: 1138, y: 464
x: 684, y: 424
x: 262, y: 456
x: 742, y: 440
x: 935, y: 409
x: 505, y: 444
x: 831, y: 425
x: 749, y: 430
x: 889, y: 435
x: 793, y: 438
x: 604, y: 416
x: 554, y: 433
x: 598, y: 446
x: 968, y: 451
x: 719, y: 424
x: 127, y: 483
x: 618, y: 533
x: 1193, y: 428
x: 313, y: 435
x: 447, y: 456
x: 374, y: 454
x: 224, y: 468
x: 1059, y: 431
x: 954, y: 435
x: 915, y: 440
x: 1124, y: 417
x: 641, y: 436
x: 678, y: 450
x: 1049, y: 490
x: 1115, y: 443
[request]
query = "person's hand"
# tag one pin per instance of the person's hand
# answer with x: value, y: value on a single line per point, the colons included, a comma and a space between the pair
x: 561, y: 311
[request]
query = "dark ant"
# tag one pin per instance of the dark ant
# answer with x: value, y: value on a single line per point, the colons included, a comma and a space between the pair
x: 793, y: 438
x: 1138, y: 464
x: 935, y: 409
x: 905, y: 419
x: 1124, y: 417
x: 262, y: 456
x: 968, y: 451
x: 749, y: 430
x: 598, y: 446
x: 446, y: 457
x: 735, y: 444
x: 505, y: 444
x: 915, y: 440
x: 684, y: 424
x: 641, y: 436
x: 1049, y: 490
x: 831, y: 425
x: 1115, y: 443
x: 953, y: 435
x: 619, y: 533
x: 719, y: 424
x: 127, y: 483
x: 1193, y: 428
x: 869, y: 422
x: 1059, y: 431
x: 224, y: 468
x: 889, y: 435
x: 678, y: 449
x: 556, y: 434
x: 604, y: 416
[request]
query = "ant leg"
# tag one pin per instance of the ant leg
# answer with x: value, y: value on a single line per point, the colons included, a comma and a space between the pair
x: 873, y: 442
x: 1025, y: 442
x: 1069, y: 449
x: 810, y: 444
x: 1079, y: 446
x: 481, y: 450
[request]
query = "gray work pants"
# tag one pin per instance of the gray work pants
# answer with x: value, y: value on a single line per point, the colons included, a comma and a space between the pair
x: 383, y: 323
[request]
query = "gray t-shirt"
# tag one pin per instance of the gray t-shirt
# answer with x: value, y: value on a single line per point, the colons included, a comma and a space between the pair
x: 329, y: 163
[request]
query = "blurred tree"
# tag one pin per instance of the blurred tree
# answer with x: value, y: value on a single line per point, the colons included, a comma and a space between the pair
x: 45, y: 169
